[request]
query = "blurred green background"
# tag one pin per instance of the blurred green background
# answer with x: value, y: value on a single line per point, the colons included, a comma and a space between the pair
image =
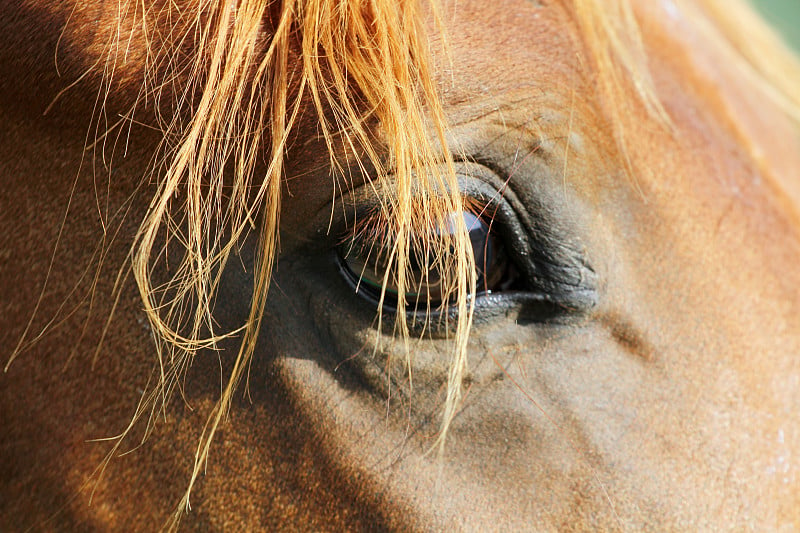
x: 785, y: 16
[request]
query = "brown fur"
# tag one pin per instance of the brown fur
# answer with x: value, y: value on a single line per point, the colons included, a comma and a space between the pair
x: 291, y: 457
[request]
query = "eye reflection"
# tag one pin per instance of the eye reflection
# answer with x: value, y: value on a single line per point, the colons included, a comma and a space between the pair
x: 365, y: 261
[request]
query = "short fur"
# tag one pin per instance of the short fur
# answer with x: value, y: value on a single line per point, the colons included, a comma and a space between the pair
x: 366, y: 67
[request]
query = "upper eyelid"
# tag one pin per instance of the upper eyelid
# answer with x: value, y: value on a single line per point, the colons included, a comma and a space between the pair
x: 373, y: 222
x: 361, y: 211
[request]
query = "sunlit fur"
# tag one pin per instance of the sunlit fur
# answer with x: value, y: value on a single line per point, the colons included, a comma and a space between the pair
x: 366, y: 68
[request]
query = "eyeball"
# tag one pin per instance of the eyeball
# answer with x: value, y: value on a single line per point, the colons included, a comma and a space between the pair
x: 366, y: 264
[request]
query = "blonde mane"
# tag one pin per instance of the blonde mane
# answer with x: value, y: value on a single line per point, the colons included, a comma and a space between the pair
x: 362, y: 66
x: 366, y: 71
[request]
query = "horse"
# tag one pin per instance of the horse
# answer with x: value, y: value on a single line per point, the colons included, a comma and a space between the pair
x: 334, y: 265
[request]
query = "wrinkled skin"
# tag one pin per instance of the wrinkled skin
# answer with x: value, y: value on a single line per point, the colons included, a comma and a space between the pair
x: 666, y: 396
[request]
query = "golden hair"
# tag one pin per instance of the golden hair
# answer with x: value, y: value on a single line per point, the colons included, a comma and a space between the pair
x: 362, y: 64
x: 766, y: 62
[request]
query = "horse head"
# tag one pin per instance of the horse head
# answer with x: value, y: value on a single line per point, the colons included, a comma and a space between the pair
x: 347, y: 265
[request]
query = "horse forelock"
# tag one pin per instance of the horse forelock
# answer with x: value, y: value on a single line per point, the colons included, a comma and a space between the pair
x: 361, y: 67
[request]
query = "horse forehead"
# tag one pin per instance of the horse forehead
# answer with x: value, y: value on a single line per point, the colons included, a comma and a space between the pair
x: 497, y: 47
x: 503, y: 48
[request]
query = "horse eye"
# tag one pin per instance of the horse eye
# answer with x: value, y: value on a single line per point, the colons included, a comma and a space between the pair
x: 365, y: 261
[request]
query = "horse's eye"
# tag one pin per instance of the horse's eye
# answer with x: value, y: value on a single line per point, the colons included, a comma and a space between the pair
x: 365, y: 261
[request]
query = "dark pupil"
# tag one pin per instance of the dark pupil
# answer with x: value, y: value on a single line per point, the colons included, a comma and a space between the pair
x: 482, y: 248
x: 366, y: 262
